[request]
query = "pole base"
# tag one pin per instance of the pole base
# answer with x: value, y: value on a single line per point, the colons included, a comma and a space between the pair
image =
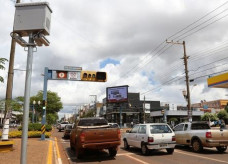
x: 6, y: 146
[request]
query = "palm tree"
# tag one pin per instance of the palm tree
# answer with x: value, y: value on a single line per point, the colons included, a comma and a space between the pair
x: 2, y: 62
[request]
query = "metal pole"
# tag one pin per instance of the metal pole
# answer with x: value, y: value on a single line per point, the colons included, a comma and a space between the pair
x: 43, y: 129
x: 26, y: 100
x: 187, y: 84
x: 33, y: 113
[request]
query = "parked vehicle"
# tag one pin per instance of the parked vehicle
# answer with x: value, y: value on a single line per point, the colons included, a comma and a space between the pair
x: 114, y: 125
x: 62, y: 125
x: 199, y: 135
x: 67, y: 130
x: 150, y: 136
x: 94, y: 133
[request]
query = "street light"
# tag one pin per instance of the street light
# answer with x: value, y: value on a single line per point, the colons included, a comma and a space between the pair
x: 33, y: 110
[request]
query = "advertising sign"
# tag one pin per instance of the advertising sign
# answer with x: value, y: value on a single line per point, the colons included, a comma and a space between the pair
x: 117, y: 94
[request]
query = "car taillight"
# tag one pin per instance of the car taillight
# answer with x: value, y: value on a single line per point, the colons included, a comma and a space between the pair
x: 118, y: 133
x: 82, y: 137
x: 208, y: 135
x: 150, y: 139
x: 173, y: 138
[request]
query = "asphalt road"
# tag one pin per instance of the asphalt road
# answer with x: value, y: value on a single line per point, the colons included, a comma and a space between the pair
x: 181, y: 155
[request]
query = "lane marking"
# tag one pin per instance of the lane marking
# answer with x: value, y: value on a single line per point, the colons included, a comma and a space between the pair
x: 176, y: 151
x: 124, y: 154
x: 49, y: 161
x: 58, y: 154
x: 136, y: 159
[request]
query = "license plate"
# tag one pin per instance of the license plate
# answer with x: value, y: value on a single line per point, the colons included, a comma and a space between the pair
x: 163, y: 145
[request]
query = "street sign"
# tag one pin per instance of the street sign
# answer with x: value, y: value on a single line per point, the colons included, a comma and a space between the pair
x: 61, y: 74
x: 72, y: 68
x: 74, y: 75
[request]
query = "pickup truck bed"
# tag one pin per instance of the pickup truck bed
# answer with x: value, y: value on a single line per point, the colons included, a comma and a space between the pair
x: 94, y: 136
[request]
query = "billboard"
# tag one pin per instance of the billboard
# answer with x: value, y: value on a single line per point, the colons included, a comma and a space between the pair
x: 117, y: 94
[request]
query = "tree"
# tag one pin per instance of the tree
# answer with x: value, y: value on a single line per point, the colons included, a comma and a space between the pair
x: 226, y: 108
x: 222, y: 115
x: 2, y: 62
x: 54, y: 103
x: 209, y: 117
x: 89, y: 113
x: 52, y: 118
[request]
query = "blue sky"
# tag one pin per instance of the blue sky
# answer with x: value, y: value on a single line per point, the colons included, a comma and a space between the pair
x: 108, y: 61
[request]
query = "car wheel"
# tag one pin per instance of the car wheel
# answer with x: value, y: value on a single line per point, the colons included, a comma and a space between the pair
x: 144, y: 149
x: 170, y: 150
x: 126, y: 146
x: 197, y: 146
x: 112, y: 152
x: 221, y: 149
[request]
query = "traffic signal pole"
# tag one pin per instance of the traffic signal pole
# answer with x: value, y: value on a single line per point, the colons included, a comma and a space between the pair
x: 44, y: 104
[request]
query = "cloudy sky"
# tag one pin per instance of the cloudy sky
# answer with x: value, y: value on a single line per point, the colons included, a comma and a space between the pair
x: 126, y: 39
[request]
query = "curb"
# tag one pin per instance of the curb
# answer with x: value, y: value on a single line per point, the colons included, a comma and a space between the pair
x: 6, y: 146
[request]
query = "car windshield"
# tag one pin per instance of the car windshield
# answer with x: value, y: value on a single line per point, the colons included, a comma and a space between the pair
x: 159, y: 129
x: 92, y: 122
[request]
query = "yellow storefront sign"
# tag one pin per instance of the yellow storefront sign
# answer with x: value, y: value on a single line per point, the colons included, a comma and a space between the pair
x: 219, y: 81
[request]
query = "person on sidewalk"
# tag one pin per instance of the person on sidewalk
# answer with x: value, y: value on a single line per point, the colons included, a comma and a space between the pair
x: 222, y: 125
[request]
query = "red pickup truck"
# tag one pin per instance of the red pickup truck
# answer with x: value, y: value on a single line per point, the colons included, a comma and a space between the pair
x: 94, y: 133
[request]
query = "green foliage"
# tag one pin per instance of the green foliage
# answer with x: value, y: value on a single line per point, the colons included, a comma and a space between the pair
x: 209, y: 116
x: 2, y: 62
x: 19, y: 118
x: 54, y: 103
x: 36, y: 127
x: 226, y: 108
x: 173, y: 119
x: 89, y: 113
x: 222, y: 115
x: 52, y: 118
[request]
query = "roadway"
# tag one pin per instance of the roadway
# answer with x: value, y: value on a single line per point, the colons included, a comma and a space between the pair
x: 181, y: 155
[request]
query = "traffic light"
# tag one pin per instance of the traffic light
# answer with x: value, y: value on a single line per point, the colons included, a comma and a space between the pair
x: 93, y: 76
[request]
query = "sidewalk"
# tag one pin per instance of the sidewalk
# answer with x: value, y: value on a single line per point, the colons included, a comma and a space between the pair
x: 37, y: 152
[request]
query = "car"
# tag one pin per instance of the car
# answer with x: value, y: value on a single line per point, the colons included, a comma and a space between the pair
x: 67, y: 130
x: 62, y: 125
x: 150, y: 136
x: 114, y: 125
x: 198, y: 135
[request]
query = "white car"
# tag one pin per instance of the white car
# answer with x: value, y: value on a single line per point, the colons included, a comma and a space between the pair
x: 150, y: 136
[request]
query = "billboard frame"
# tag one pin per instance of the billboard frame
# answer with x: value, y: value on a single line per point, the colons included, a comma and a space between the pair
x: 124, y: 101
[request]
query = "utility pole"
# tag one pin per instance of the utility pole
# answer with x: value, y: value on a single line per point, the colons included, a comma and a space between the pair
x: 95, y: 101
x: 144, y: 115
x: 9, y: 86
x: 185, y: 58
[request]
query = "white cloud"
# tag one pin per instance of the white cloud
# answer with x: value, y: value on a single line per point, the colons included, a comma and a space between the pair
x: 84, y: 33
